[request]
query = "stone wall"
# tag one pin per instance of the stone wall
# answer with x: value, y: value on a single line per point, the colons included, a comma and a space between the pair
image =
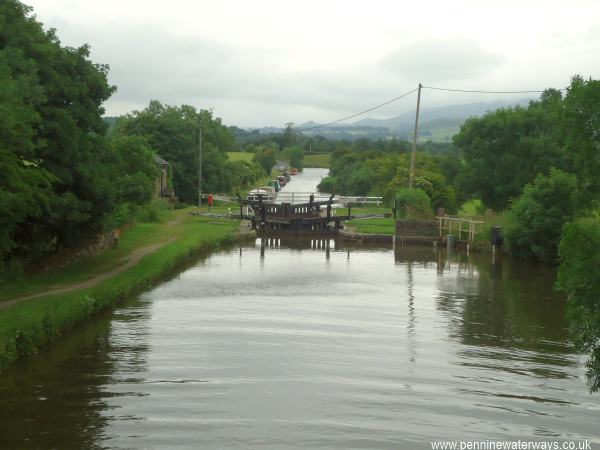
x: 412, y: 228
x: 94, y: 247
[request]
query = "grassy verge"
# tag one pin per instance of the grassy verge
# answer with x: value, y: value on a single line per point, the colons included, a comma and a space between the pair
x: 320, y: 161
x: 240, y: 156
x: 26, y: 326
x: 370, y: 226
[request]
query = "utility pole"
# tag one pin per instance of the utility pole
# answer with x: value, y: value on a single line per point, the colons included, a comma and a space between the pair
x: 414, y: 146
x: 200, y: 166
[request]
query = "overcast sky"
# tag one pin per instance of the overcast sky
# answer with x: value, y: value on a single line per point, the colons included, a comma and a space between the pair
x: 259, y: 63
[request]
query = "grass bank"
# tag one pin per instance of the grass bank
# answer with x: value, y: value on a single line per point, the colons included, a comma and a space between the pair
x: 387, y: 225
x: 370, y: 226
x: 30, y: 324
x: 240, y: 156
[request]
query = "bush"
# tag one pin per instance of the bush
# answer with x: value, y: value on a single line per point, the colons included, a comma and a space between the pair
x: 265, y: 159
x: 538, y: 215
x: 579, y: 277
x: 295, y: 155
x: 151, y: 211
x: 327, y: 184
x: 360, y: 181
x: 413, y: 204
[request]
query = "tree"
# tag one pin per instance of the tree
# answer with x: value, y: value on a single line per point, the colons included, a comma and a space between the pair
x: 579, y: 129
x: 537, y: 216
x: 506, y: 148
x: 288, y: 137
x: 172, y: 131
x: 294, y: 155
x: 579, y: 277
x: 244, y: 173
x: 134, y: 171
x: 265, y: 159
x: 54, y: 188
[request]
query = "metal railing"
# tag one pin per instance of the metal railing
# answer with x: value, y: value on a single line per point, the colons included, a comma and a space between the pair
x: 304, y: 197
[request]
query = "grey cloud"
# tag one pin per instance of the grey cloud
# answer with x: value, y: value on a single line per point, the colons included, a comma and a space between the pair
x: 177, y: 70
x: 439, y: 60
x: 247, y: 85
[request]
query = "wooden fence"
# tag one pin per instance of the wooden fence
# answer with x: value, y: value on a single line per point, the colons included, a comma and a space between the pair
x: 465, y: 229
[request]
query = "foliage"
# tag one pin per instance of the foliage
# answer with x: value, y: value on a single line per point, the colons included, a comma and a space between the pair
x: 294, y: 155
x: 579, y: 127
x: 349, y: 175
x: 240, y: 156
x: 328, y: 184
x: 133, y: 170
x: 54, y: 187
x: 288, y: 137
x: 378, y: 173
x: 413, y: 204
x: 507, y: 148
x: 472, y: 208
x: 172, y: 131
x: 266, y: 159
x: 244, y: 173
x: 537, y: 216
x: 579, y: 277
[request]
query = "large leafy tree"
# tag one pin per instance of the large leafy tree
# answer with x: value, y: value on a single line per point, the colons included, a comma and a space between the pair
x: 579, y: 277
x: 172, y: 131
x: 538, y: 215
x: 53, y: 188
x: 505, y: 149
x: 24, y: 185
x: 580, y: 128
x: 294, y: 155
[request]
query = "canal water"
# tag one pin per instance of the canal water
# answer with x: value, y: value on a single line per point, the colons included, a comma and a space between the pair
x: 300, y: 343
x: 313, y: 344
x: 306, y: 181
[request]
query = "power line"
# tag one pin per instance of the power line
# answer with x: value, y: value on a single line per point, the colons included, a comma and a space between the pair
x: 474, y: 91
x: 360, y: 113
x: 484, y: 92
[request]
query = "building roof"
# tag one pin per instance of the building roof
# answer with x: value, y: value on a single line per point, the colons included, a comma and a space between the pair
x: 159, y: 161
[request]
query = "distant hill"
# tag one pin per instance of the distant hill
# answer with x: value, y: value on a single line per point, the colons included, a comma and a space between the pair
x: 463, y: 112
x: 437, y: 124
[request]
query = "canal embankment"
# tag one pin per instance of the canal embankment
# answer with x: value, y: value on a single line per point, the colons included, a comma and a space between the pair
x: 39, y: 309
x: 419, y: 232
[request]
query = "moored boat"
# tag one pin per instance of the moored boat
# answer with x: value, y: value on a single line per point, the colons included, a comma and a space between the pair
x: 267, y: 193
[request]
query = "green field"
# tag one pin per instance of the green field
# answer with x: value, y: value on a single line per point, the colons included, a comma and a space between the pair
x: 240, y: 156
x: 441, y: 134
x: 320, y: 161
